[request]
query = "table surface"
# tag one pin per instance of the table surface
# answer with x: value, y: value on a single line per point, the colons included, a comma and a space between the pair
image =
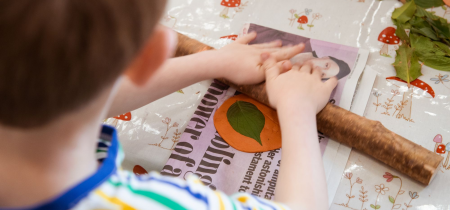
x: 366, y: 183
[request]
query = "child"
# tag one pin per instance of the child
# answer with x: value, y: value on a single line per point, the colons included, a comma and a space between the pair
x: 67, y: 65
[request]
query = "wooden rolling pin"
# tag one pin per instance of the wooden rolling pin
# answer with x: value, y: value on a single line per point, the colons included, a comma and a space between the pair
x: 365, y: 135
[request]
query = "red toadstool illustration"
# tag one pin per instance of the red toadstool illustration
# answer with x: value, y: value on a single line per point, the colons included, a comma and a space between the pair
x: 438, y: 140
x: 139, y: 170
x: 388, y: 37
x: 302, y: 20
x: 232, y: 37
x: 405, y: 106
x: 123, y: 117
x: 440, y: 149
x: 228, y: 4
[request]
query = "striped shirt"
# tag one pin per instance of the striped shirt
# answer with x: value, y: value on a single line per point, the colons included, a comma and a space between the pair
x: 113, y: 188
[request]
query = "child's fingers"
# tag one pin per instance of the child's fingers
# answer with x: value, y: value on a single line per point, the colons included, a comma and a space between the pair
x: 276, y: 43
x: 307, y: 68
x: 274, y: 71
x: 295, y: 68
x: 316, y: 72
x: 270, y: 50
x: 287, y: 65
x: 245, y: 39
x: 330, y: 84
x: 287, y: 53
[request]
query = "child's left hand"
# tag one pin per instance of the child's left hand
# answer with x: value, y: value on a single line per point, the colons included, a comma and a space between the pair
x: 245, y: 64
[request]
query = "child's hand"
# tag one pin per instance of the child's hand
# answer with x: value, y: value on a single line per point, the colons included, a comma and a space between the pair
x: 245, y: 64
x: 301, y: 87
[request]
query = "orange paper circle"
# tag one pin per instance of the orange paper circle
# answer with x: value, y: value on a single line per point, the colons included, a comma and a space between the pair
x: 447, y: 2
x: 270, y: 135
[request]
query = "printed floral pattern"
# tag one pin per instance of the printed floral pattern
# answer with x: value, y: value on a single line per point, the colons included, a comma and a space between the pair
x: 175, y: 138
x: 380, y: 190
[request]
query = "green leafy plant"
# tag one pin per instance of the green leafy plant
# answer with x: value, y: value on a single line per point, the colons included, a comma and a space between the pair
x: 246, y: 119
x: 429, y: 3
x: 428, y: 41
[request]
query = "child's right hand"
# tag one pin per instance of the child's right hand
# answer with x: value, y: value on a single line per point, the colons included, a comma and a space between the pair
x: 300, y: 87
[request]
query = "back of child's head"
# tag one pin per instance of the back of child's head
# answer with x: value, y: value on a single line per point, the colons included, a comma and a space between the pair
x: 57, y: 55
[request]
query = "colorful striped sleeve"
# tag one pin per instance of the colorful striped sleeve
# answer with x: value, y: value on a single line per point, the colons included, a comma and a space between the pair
x: 125, y: 190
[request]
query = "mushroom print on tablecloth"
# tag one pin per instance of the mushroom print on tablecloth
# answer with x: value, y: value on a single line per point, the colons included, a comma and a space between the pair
x: 438, y: 140
x: 387, y: 37
x: 440, y: 149
x: 302, y: 20
x: 139, y: 170
x: 236, y: 4
x: 123, y: 117
x: 404, y: 108
x: 231, y: 37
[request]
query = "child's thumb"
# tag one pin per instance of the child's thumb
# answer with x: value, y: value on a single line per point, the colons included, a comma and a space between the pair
x: 331, y: 84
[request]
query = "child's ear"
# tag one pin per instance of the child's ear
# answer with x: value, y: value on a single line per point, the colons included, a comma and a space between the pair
x: 157, y: 50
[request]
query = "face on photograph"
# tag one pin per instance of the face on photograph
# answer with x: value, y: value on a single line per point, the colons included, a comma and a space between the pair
x: 329, y: 66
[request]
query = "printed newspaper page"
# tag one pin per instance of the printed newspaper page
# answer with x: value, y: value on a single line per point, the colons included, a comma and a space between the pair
x: 201, y: 150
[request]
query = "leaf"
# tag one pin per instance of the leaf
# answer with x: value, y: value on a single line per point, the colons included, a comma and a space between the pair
x: 377, y: 207
x: 400, y: 32
x: 443, y: 47
x: 407, y: 64
x: 433, y: 54
x: 439, y: 63
x: 396, y: 206
x: 401, y: 192
x: 405, y: 12
x: 180, y: 91
x: 425, y: 32
x: 246, y: 119
x: 296, y: 16
x: 391, y: 199
x: 372, y: 206
x: 429, y: 3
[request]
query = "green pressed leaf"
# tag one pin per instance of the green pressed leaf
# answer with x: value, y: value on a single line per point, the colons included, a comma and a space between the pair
x: 428, y: 32
x: 417, y: 22
x: 441, y: 26
x: 429, y: 3
x: 372, y: 206
x: 421, y: 12
x: 407, y: 64
x: 400, y: 32
x: 439, y: 63
x: 391, y: 199
x: 443, y: 47
x: 296, y: 16
x: 405, y: 12
x: 433, y: 54
x: 377, y: 207
x: 246, y: 119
